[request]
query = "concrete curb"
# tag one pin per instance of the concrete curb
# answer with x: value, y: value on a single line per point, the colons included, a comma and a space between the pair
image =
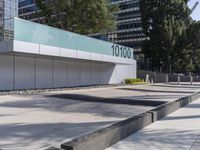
x: 165, y: 109
x: 108, y: 136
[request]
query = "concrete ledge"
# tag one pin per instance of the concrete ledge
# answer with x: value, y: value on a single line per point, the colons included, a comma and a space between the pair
x: 165, y: 109
x: 108, y: 136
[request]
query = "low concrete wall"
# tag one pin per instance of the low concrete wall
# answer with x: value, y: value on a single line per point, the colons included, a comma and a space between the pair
x: 24, y: 71
x: 161, y: 77
x: 165, y: 109
x: 108, y: 136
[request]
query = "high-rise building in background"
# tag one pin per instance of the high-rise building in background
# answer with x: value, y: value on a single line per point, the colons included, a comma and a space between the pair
x: 8, y: 10
x: 129, y: 29
x: 28, y: 10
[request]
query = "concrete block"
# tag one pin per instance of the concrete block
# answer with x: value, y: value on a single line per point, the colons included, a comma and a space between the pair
x: 108, y: 136
x: 184, y: 101
x: 164, y: 110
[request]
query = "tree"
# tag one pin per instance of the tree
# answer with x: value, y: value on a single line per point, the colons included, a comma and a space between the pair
x: 188, y: 49
x: 164, y: 21
x: 81, y: 16
x: 193, y: 44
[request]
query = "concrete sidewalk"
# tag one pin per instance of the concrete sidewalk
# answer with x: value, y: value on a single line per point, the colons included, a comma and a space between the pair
x: 179, y: 131
x: 36, y: 122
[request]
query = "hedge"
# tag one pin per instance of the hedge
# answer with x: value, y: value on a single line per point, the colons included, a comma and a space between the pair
x: 133, y: 81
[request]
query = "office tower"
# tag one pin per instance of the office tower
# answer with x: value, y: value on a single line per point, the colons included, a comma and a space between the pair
x: 28, y: 10
x: 129, y: 30
x: 8, y: 10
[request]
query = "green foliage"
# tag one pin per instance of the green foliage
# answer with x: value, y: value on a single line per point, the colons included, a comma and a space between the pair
x: 174, y: 38
x: 134, y: 81
x: 81, y: 16
x: 164, y: 21
x: 187, y: 48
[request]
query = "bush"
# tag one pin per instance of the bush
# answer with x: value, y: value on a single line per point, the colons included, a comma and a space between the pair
x: 134, y: 81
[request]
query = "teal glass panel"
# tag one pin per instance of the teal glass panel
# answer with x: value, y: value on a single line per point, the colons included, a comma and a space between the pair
x: 27, y: 31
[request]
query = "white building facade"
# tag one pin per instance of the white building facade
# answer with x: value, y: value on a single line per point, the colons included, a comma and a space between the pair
x: 39, y: 56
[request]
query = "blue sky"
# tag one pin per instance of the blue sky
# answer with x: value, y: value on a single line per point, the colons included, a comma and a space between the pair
x: 196, y: 13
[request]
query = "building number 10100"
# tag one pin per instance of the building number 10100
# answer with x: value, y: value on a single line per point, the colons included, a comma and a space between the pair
x: 121, y: 51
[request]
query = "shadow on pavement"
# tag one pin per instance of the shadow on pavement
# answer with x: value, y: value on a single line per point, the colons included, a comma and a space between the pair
x: 24, y: 134
x: 158, y: 91
x: 172, y: 86
x: 156, y: 138
x: 95, y: 99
